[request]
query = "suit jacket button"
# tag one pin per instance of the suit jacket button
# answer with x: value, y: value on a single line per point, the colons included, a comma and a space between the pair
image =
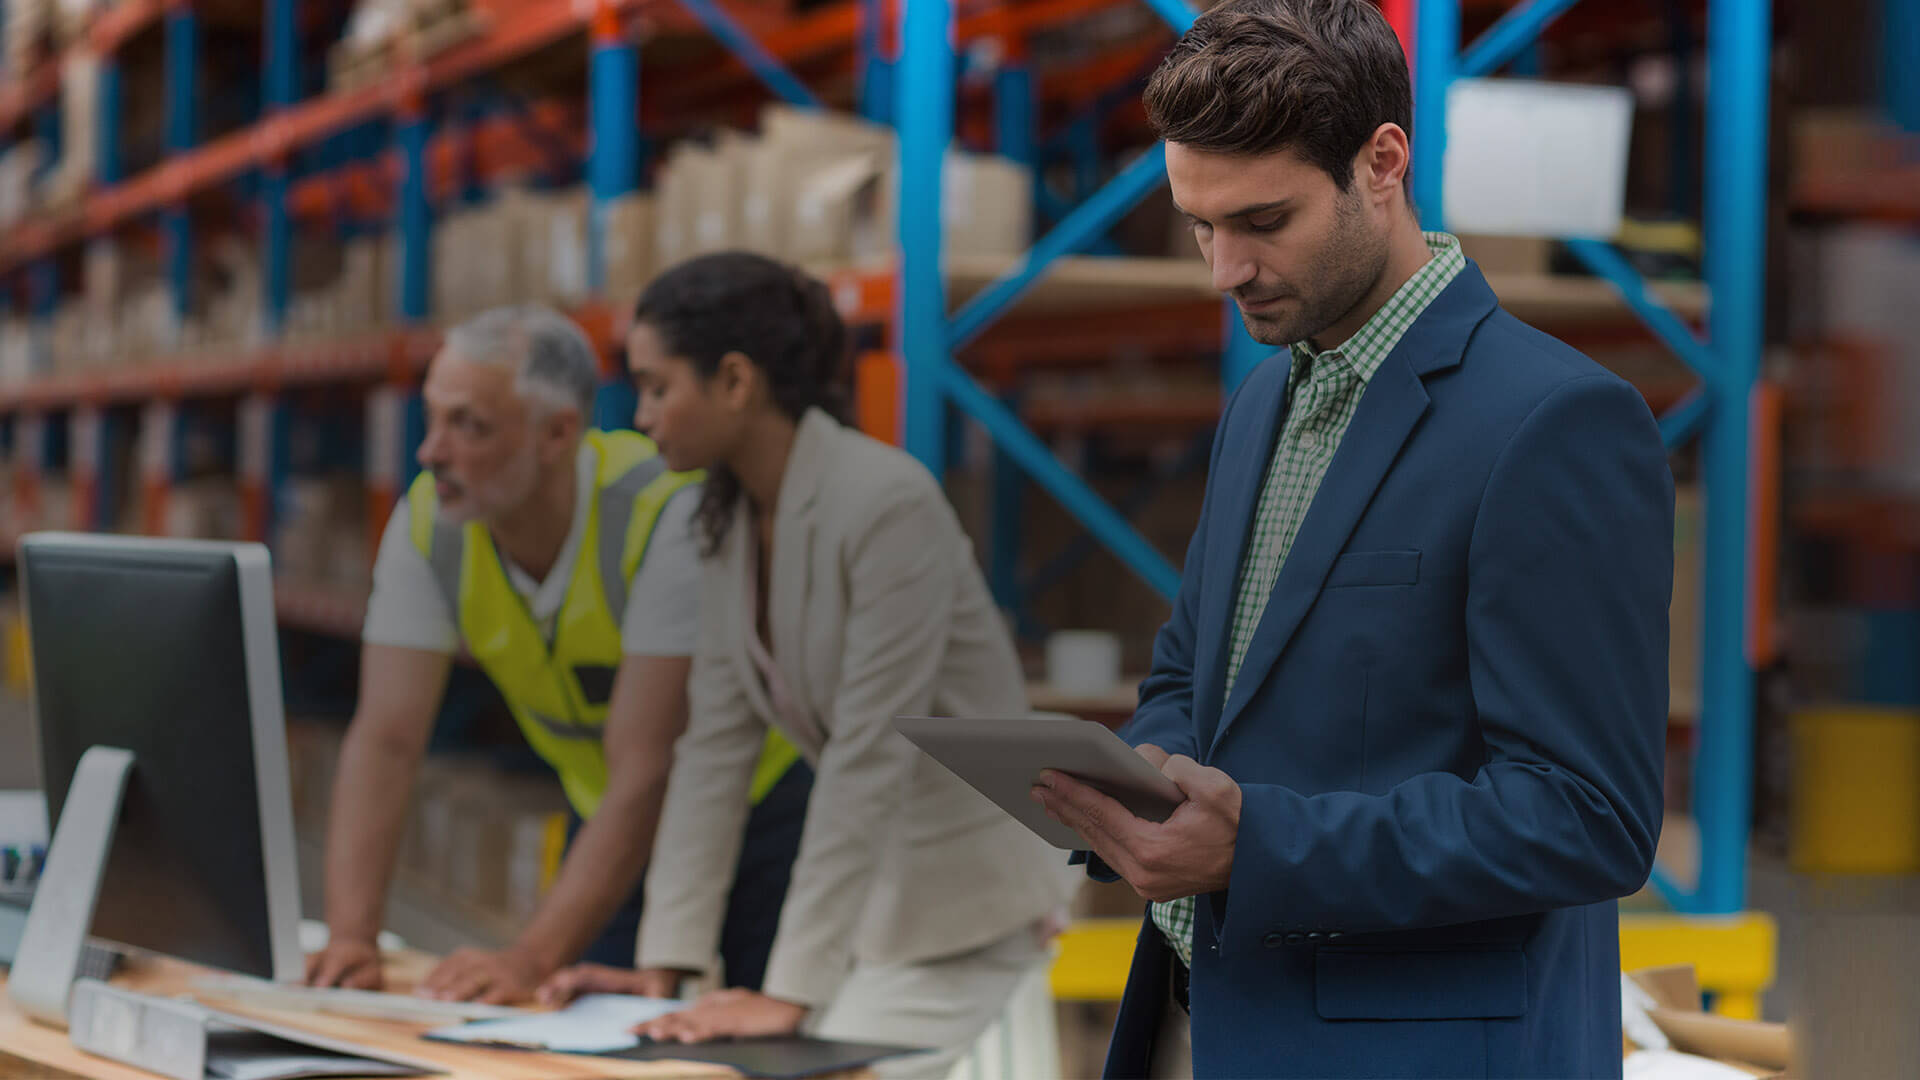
x: 1273, y: 940
x: 1316, y: 936
x: 1296, y: 938
x: 1333, y: 935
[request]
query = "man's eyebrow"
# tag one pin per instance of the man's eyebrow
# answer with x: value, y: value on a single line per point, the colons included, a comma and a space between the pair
x: 1244, y: 212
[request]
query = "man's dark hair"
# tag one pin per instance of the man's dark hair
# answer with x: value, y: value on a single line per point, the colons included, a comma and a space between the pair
x: 1317, y: 77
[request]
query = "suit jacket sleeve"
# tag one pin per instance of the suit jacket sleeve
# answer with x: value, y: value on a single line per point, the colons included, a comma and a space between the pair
x: 900, y: 571
x: 1569, y: 575
x: 705, y: 814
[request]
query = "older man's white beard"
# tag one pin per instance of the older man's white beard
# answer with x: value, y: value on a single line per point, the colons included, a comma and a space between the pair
x: 504, y: 495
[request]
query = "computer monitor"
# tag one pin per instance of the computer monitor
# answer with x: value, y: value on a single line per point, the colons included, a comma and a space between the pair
x: 157, y: 705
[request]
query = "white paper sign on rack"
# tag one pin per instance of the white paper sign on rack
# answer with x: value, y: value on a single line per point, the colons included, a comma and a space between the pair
x: 1529, y: 158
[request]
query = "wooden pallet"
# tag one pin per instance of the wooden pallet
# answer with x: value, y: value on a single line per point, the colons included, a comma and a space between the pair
x: 352, y: 68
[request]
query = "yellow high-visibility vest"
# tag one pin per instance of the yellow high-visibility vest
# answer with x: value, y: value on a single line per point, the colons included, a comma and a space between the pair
x: 559, y: 693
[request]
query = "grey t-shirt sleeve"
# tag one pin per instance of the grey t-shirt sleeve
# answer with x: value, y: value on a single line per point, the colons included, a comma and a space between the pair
x: 407, y: 609
x: 663, y: 602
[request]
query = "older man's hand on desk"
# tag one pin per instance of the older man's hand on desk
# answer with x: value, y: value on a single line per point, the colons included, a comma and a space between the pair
x: 727, y: 1014
x: 1189, y: 854
x: 352, y: 964
x: 492, y: 978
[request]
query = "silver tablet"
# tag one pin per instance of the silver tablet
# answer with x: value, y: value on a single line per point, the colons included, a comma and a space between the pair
x: 1002, y: 759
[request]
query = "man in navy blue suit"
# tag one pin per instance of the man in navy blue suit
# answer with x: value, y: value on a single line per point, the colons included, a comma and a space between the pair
x: 1414, y: 682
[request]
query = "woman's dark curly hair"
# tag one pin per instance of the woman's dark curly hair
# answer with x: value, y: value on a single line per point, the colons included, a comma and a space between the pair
x: 780, y: 318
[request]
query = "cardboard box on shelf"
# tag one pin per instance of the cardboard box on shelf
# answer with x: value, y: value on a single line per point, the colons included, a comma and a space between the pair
x: 628, y: 243
x: 1663, y: 1017
x: 700, y: 198
x: 207, y: 509
x: 361, y: 292
x: 790, y: 125
x: 79, y: 114
x: 70, y: 18
x: 1508, y: 254
x: 19, y: 165
x: 550, y: 238
x: 28, y: 31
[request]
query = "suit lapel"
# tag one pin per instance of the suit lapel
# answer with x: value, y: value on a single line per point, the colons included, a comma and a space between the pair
x: 793, y: 530
x: 1390, y: 409
x: 1256, y: 425
x: 741, y: 552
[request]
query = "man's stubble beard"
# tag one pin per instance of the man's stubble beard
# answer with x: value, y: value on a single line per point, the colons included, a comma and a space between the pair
x: 1345, y: 271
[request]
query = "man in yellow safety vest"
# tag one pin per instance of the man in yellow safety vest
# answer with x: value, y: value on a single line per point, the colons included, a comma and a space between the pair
x: 563, y: 559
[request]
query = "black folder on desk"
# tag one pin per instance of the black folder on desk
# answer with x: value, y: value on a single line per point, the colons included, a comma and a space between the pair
x: 787, y: 1057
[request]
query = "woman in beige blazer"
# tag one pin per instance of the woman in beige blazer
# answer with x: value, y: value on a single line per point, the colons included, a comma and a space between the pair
x: 840, y: 592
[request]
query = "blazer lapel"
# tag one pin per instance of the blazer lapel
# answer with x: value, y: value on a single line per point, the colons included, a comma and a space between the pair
x: 1257, y: 421
x: 740, y: 552
x: 793, y: 530
x: 1390, y: 408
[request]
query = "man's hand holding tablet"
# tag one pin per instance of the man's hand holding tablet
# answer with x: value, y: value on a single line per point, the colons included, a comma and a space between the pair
x: 1188, y: 854
x: 1165, y: 824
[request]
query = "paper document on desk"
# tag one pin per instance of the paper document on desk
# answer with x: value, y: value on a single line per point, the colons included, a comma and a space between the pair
x: 595, y: 1024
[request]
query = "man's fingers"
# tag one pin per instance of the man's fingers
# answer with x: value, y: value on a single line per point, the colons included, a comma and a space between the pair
x: 469, y: 987
x: 1202, y: 784
x: 1080, y: 808
x: 1155, y: 756
x: 361, y: 977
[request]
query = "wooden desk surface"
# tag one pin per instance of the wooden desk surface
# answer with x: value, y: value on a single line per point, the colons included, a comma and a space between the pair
x: 49, y: 1046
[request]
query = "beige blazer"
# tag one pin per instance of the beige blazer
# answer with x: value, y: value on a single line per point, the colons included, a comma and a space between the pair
x: 876, y: 608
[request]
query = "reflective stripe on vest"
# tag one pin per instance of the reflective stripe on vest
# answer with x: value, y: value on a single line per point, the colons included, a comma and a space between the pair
x: 559, y: 693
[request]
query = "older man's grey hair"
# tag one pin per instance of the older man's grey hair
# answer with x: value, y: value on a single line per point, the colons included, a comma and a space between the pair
x: 555, y: 365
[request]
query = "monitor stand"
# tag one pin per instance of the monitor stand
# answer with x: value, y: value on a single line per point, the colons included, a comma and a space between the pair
x: 63, y: 901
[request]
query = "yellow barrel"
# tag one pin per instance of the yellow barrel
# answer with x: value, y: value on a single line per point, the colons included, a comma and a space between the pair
x: 1856, y: 790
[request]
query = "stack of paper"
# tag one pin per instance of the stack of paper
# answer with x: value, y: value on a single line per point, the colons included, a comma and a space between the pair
x: 595, y: 1024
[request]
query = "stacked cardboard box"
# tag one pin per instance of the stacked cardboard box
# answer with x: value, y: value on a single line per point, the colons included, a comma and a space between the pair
x: 28, y: 30
x: 204, y: 509
x: 550, y: 242
x: 19, y: 195
x: 79, y: 113
x: 474, y: 832
x: 817, y: 188
x: 321, y: 532
x: 19, y: 351
x: 70, y: 18
x: 626, y: 236
x: 476, y: 262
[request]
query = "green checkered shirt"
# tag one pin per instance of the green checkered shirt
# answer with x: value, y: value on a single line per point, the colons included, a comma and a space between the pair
x: 1323, y: 392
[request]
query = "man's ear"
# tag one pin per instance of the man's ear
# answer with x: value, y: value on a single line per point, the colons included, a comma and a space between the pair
x: 559, y: 431
x: 1380, y: 168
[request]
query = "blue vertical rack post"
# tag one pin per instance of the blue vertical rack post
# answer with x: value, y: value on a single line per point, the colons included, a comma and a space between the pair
x: 1015, y: 120
x: 279, y: 87
x: 182, y: 69
x: 613, y: 170
x: 927, y: 338
x: 1728, y: 363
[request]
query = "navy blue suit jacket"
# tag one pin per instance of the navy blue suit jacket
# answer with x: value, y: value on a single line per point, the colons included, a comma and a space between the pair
x: 1448, y: 728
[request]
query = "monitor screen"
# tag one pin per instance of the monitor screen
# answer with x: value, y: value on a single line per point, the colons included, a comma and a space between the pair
x: 145, y: 648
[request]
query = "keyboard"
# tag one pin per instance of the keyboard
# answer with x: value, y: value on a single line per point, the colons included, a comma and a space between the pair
x: 363, y: 1004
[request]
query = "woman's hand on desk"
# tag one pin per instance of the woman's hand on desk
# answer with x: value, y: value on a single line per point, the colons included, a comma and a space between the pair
x: 352, y: 964
x: 570, y: 983
x: 493, y: 978
x: 727, y: 1014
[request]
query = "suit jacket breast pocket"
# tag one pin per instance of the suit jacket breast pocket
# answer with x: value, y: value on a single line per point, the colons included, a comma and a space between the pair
x: 1363, y: 569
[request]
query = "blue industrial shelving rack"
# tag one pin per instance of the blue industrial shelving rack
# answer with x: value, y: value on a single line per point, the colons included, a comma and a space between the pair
x: 916, y: 92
